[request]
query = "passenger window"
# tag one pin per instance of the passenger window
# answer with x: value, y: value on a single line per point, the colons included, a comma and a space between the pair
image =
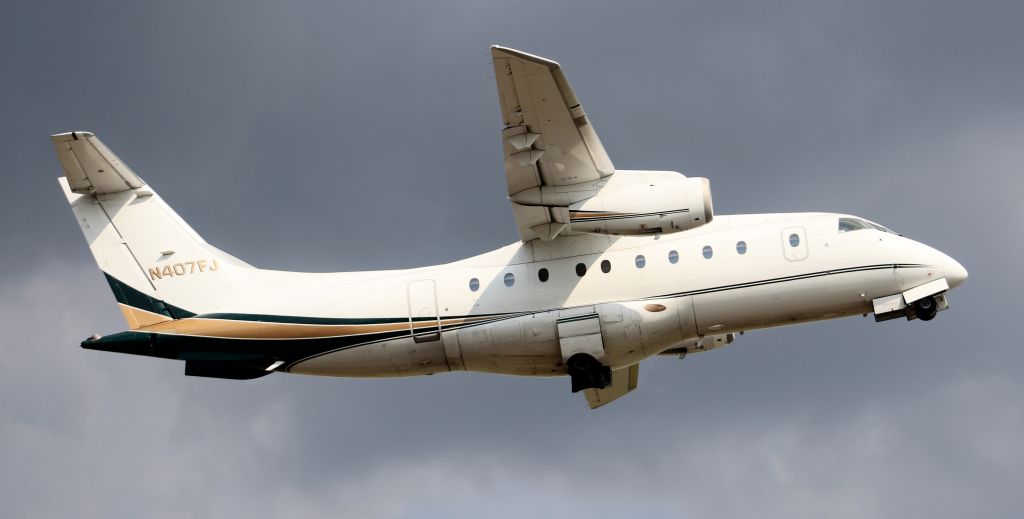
x: 794, y: 240
x: 510, y: 279
x: 474, y: 285
x: 640, y: 261
x: 707, y: 252
x: 606, y: 266
x: 741, y: 247
x: 542, y: 275
x: 673, y: 257
x: 581, y: 269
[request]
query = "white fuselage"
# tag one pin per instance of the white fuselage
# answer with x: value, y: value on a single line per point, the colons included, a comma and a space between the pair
x: 641, y: 311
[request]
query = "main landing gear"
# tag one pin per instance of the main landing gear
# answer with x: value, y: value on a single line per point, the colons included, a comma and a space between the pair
x: 926, y: 308
x: 586, y: 373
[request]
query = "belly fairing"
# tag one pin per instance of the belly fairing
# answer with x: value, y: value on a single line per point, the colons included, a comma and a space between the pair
x: 519, y: 344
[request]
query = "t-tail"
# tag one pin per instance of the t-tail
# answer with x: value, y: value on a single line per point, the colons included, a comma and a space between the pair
x: 158, y: 267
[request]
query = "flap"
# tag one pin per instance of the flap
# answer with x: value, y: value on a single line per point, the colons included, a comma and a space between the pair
x: 623, y: 381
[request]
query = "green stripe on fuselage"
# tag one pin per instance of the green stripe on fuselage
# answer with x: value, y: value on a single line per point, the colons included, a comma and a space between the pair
x: 183, y: 347
x: 127, y: 295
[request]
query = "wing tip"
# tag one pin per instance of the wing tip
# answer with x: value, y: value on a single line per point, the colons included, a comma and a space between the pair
x: 71, y: 136
x: 498, y: 51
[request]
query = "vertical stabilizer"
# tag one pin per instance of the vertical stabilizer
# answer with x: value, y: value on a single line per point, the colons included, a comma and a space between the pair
x: 157, y: 266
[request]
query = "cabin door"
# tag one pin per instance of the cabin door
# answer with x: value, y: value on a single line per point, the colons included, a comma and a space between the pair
x: 424, y: 323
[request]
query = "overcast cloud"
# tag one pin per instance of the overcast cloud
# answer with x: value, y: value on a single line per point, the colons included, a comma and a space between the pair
x: 313, y: 135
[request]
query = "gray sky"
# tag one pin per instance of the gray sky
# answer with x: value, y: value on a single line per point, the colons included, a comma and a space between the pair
x: 319, y: 136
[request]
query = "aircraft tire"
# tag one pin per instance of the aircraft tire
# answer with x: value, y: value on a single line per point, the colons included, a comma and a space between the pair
x: 926, y: 308
x: 586, y: 373
x: 581, y: 363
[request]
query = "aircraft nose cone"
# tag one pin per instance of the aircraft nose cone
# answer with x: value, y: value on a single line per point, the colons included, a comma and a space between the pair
x: 954, y: 272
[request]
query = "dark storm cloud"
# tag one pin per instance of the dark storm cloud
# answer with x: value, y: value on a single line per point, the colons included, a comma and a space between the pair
x: 317, y: 136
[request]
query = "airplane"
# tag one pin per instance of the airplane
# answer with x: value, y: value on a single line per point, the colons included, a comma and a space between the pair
x: 612, y: 267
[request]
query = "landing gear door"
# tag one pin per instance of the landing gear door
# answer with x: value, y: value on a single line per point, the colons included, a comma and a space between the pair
x: 579, y: 331
x: 794, y: 243
x: 424, y: 323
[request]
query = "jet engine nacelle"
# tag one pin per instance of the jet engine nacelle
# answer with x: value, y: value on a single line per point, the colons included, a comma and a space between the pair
x: 653, y: 202
x: 628, y: 202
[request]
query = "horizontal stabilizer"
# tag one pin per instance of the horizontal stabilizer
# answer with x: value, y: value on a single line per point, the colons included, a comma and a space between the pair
x: 90, y: 167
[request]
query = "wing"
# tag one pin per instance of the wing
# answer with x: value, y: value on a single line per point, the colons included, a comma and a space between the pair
x: 548, y: 139
x: 91, y: 167
x: 623, y: 381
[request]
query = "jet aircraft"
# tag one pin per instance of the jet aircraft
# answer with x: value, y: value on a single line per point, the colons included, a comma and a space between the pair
x: 613, y: 266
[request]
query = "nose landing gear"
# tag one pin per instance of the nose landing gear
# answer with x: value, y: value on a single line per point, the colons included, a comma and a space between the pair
x: 920, y: 307
x: 586, y: 372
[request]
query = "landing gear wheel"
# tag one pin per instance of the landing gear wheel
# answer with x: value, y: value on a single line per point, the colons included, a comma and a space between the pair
x: 586, y: 373
x: 926, y: 308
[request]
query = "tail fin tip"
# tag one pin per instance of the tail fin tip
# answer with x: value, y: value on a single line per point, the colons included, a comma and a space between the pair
x: 90, y: 167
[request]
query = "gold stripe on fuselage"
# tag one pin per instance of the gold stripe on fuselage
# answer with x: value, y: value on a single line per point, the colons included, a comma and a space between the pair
x: 138, y: 318
x: 238, y: 329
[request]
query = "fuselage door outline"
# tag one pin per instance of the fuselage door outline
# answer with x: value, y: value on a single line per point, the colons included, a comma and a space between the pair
x: 424, y: 321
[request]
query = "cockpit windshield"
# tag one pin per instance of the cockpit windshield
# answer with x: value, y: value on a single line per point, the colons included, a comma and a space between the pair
x: 847, y: 224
